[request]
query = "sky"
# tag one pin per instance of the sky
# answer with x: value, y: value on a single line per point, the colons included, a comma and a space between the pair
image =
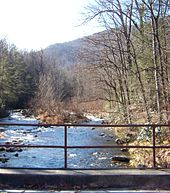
x: 36, y: 24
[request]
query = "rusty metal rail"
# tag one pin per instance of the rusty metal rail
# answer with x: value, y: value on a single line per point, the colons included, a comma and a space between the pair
x: 153, y: 127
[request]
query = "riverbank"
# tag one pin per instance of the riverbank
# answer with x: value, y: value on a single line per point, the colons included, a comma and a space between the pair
x: 143, y: 158
x: 64, y: 117
x: 142, y: 136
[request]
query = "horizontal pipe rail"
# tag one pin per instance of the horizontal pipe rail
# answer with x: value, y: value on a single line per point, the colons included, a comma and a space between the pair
x: 154, y: 146
x: 87, y: 146
x: 82, y: 125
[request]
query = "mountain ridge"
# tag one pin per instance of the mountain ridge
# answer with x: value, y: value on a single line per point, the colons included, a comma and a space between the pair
x: 67, y: 53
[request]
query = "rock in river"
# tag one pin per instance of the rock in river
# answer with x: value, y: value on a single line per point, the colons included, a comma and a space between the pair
x: 16, y: 155
x: 2, y: 148
x: 13, y: 149
x: 102, y: 134
x: 124, y: 149
x: 120, y: 159
x: 4, y: 159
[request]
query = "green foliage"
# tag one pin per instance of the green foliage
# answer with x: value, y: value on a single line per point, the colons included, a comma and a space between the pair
x: 14, y: 76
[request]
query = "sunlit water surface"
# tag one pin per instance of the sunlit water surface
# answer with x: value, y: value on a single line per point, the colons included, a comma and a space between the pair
x: 54, y: 158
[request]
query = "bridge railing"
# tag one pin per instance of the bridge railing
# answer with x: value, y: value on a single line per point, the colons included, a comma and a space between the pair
x: 152, y: 127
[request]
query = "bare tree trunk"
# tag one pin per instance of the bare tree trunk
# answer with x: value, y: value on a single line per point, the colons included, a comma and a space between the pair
x: 156, y: 70
x: 141, y: 85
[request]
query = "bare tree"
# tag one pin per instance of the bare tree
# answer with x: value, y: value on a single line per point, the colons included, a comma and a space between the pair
x: 120, y: 54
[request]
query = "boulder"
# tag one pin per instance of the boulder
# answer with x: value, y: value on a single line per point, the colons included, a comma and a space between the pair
x: 13, y: 149
x: 124, y: 150
x: 102, y: 134
x: 2, y: 148
x: 4, y: 159
x: 26, y: 112
x: 142, y: 166
x: 8, y: 143
x: 2, y: 129
x: 120, y: 141
x: 121, y: 159
x: 110, y: 135
x: 19, y: 150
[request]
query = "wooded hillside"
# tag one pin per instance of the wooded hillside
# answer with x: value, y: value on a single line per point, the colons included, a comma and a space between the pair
x: 123, y: 71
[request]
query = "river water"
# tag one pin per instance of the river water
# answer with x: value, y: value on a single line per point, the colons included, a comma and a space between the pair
x: 54, y: 158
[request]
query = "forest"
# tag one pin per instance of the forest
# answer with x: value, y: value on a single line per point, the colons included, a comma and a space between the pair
x: 122, y: 73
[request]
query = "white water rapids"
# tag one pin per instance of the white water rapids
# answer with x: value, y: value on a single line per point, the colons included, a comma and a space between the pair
x: 54, y: 158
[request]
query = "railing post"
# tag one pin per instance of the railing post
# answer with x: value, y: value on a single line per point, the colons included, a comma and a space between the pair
x: 65, y: 147
x: 154, y: 146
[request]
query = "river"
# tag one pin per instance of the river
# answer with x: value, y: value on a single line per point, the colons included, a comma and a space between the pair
x: 54, y: 158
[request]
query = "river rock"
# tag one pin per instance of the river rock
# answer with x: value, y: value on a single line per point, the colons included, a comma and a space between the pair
x: 120, y: 141
x: 124, y: 150
x: 19, y: 150
x: 13, y: 149
x: 2, y: 148
x: 14, y: 141
x: 26, y: 112
x: 110, y: 135
x: 2, y: 129
x: 120, y: 159
x: 4, y: 159
x: 130, y: 135
x: 102, y: 134
x: 8, y: 143
x: 93, y: 128
x: 142, y: 166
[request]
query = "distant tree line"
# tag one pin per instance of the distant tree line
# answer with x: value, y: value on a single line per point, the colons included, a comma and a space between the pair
x: 34, y: 80
x: 16, y: 77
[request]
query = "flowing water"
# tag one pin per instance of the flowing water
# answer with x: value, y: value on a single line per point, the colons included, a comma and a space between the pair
x: 54, y: 158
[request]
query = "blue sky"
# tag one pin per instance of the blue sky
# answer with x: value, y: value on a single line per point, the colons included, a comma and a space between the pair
x: 35, y: 24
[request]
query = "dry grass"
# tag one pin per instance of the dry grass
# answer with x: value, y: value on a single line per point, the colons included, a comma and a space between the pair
x: 144, y: 156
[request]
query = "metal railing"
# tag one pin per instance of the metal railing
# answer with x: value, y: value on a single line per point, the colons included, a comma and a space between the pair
x: 153, y: 146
